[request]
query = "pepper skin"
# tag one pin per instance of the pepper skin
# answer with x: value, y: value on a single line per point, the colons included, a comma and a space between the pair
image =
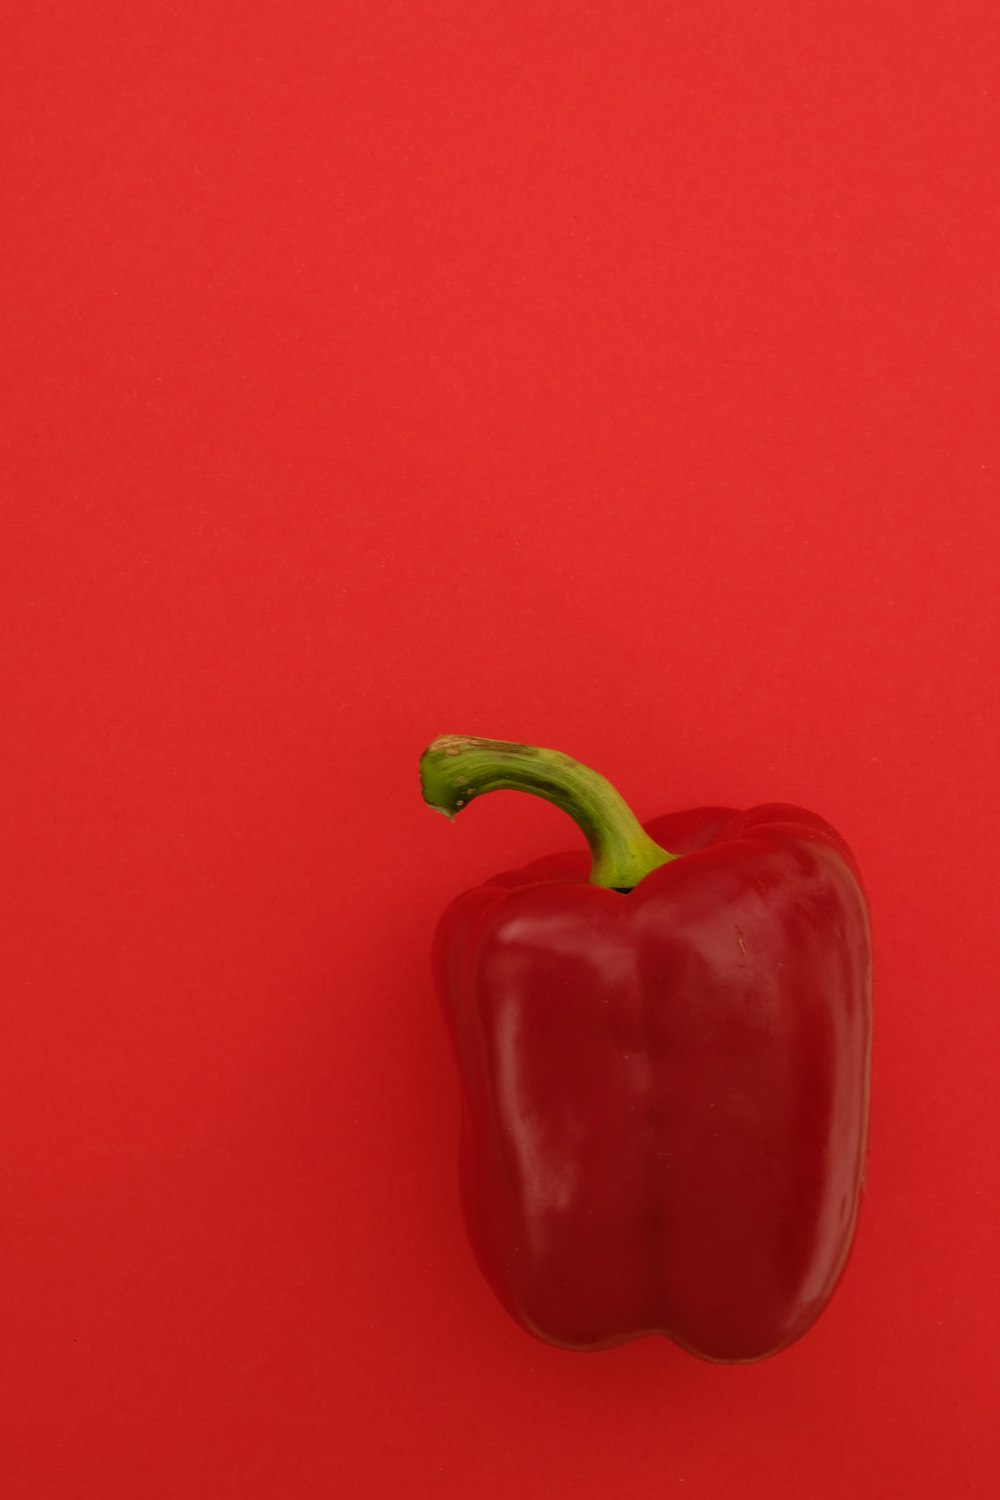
x: 664, y: 1074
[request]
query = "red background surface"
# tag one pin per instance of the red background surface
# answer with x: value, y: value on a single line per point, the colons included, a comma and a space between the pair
x: 622, y: 378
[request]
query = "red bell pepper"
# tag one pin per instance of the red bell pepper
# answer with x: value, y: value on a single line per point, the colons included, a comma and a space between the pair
x: 664, y: 1068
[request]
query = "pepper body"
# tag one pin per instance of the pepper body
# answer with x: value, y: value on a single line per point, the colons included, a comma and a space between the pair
x: 665, y: 1090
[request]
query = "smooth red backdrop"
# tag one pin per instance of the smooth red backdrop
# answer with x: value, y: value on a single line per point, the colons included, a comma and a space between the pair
x: 619, y: 377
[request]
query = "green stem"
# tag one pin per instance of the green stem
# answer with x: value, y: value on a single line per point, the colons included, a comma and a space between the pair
x: 455, y: 769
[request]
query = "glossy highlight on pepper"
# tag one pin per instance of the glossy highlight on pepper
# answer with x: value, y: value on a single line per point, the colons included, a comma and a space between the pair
x: 664, y: 1061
